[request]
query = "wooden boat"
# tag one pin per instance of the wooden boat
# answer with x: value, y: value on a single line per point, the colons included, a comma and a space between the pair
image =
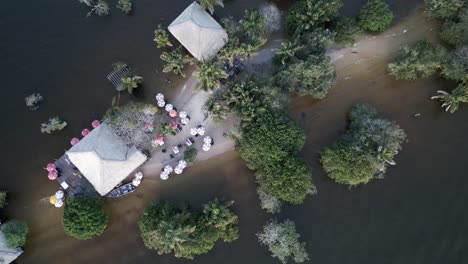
x: 122, y: 190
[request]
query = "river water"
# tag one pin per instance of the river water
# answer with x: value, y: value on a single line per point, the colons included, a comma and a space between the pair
x: 417, y: 214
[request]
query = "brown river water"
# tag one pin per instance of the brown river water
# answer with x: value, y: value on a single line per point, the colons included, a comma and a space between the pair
x: 417, y: 214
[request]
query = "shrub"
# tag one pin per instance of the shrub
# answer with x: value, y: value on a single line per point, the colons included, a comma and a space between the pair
x: 84, y: 217
x: 125, y: 6
x: 268, y: 202
x: 346, y: 29
x: 161, y: 37
x: 187, y: 233
x: 15, y: 233
x: 282, y: 241
x: 190, y: 155
x: 443, y: 8
x: 421, y: 61
x: 54, y: 124
x: 455, y: 32
x: 32, y: 101
x: 455, y: 67
x: 314, y: 76
x: 311, y: 14
x: 451, y: 101
x: 375, y: 15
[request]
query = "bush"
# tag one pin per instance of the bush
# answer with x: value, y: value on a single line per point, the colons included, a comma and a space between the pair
x: 15, y: 233
x: 54, y: 124
x: 313, y: 76
x: 443, y: 8
x: 346, y: 29
x: 364, y: 151
x: 451, y: 101
x: 190, y: 155
x: 268, y: 202
x: 84, y: 217
x: 282, y: 240
x: 125, y: 6
x: 375, y: 15
x: 455, y: 32
x: 187, y: 233
x: 421, y: 61
x: 455, y: 67
x: 311, y: 14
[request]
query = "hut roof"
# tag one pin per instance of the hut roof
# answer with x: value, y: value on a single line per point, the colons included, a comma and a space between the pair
x: 8, y: 255
x: 104, y: 159
x: 198, y: 32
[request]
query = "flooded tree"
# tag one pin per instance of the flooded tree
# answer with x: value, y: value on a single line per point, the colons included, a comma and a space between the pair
x: 375, y: 15
x: 346, y: 30
x: 209, y: 75
x: 15, y: 233
x: 125, y: 6
x: 175, y: 61
x: 311, y: 14
x: 84, y: 217
x: 451, y: 101
x: 161, y: 37
x: 99, y: 8
x: 454, y: 31
x: 272, y: 17
x: 3, y: 197
x: 33, y: 100
x: 268, y: 202
x: 443, y: 8
x: 54, y: 124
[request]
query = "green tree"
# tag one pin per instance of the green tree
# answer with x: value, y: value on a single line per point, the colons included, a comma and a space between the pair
x: 3, y: 201
x: 15, y: 233
x: 84, y: 217
x: 310, y: 14
x: 451, y: 101
x: 314, y: 76
x: 375, y: 15
x: 125, y: 6
x: 101, y: 8
x: 253, y: 22
x: 270, y: 203
x: 209, y: 75
x: 288, y: 51
x: 346, y: 29
x: 421, y: 61
x: 455, y: 67
x: 443, y: 8
x: 130, y: 83
x: 209, y: 4
x: 161, y: 37
x: 455, y: 32
x: 175, y: 61
x: 190, y: 155
x: 282, y: 241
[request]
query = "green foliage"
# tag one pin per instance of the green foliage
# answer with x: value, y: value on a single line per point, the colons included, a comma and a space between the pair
x: 161, y: 37
x: 288, y: 51
x: 311, y: 14
x: 443, y: 8
x: 346, y: 29
x: 54, y: 124
x: 185, y: 232
x: 375, y: 15
x: 15, y: 233
x: 209, y: 75
x: 129, y: 83
x: 313, y: 76
x: 421, y: 61
x: 99, y: 7
x: 190, y: 155
x: 3, y: 197
x: 451, y: 101
x: 209, y: 4
x: 364, y: 151
x: 253, y: 22
x: 125, y: 6
x: 282, y: 240
x: 455, y: 32
x: 84, y: 217
x: 455, y: 67
x: 268, y: 202
x: 175, y: 61
x: 316, y: 42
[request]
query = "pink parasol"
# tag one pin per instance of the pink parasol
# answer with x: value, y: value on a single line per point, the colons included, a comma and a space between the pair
x: 74, y: 140
x: 50, y: 167
x: 174, y: 125
x: 148, y: 124
x: 95, y: 123
x: 160, y: 138
x: 173, y: 113
x: 85, y: 132
x: 53, y: 175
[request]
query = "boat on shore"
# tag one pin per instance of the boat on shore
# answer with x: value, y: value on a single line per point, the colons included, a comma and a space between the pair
x: 122, y: 190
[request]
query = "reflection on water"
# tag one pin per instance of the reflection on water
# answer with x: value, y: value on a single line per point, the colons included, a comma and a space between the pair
x: 415, y: 215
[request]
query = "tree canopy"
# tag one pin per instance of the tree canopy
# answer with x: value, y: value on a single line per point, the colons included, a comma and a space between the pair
x: 15, y: 233
x: 443, y: 8
x: 346, y: 30
x: 209, y: 75
x: 310, y: 14
x: 375, y: 15
x: 455, y: 31
x: 185, y: 232
x: 84, y: 217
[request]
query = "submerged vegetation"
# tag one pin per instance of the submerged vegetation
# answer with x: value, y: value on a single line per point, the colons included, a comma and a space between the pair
x: 15, y: 233
x: 54, y: 124
x: 190, y: 154
x: 161, y: 37
x: 33, y: 100
x: 175, y: 60
x: 311, y: 14
x: 365, y: 150
x: 125, y: 6
x: 209, y: 75
x: 375, y: 16
x: 185, y: 232
x: 451, y: 101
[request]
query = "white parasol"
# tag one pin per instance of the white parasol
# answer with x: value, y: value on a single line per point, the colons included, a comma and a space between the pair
x: 168, y: 169
x: 160, y: 97
x: 59, y: 194
x: 185, y: 121
x: 183, y: 114
x: 169, y: 107
x: 58, y: 203
x: 201, y: 131
x: 207, y: 140
x: 206, y: 147
x: 161, y: 103
x: 139, y: 175
x: 164, y: 175
x: 193, y: 131
x: 136, y: 182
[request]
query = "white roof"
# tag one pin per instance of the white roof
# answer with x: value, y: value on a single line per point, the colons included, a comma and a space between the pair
x: 104, y: 159
x: 7, y: 255
x: 198, y: 32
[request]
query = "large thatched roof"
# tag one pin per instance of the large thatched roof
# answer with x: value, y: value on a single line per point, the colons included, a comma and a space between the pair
x: 198, y: 32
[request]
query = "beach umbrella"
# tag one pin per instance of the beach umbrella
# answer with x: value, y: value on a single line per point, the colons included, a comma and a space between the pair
x: 174, y: 125
x: 136, y: 182
x: 161, y: 103
x: 173, y: 113
x: 185, y: 120
x: 206, y: 147
x: 85, y: 132
x: 160, y: 97
x: 183, y: 114
x: 207, y: 140
x: 52, y: 175
x: 159, y: 138
x: 95, y: 123
x: 59, y: 194
x: 169, y: 107
x: 182, y: 163
x: 168, y: 169
x: 53, y: 199
x: 74, y: 140
x: 164, y: 176
x: 139, y: 175
x: 50, y: 167
x: 178, y: 170
x: 193, y: 131
x: 58, y: 203
x: 201, y: 131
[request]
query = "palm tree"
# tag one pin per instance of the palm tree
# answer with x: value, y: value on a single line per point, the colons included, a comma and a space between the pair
x: 209, y: 75
x: 161, y: 37
x: 209, y: 4
x: 288, y: 50
x: 101, y: 8
x: 253, y: 22
x: 451, y: 101
x: 129, y: 83
x: 251, y: 47
x: 175, y: 61
x: 125, y: 6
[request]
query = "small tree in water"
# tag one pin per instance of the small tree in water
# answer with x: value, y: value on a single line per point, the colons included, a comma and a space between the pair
x: 15, y: 233
x: 209, y: 4
x: 375, y: 15
x: 54, y: 124
x: 209, y: 75
x: 268, y: 202
x: 175, y: 61
x: 451, y: 101
x: 100, y: 7
x: 161, y: 37
x: 32, y: 101
x: 125, y: 6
